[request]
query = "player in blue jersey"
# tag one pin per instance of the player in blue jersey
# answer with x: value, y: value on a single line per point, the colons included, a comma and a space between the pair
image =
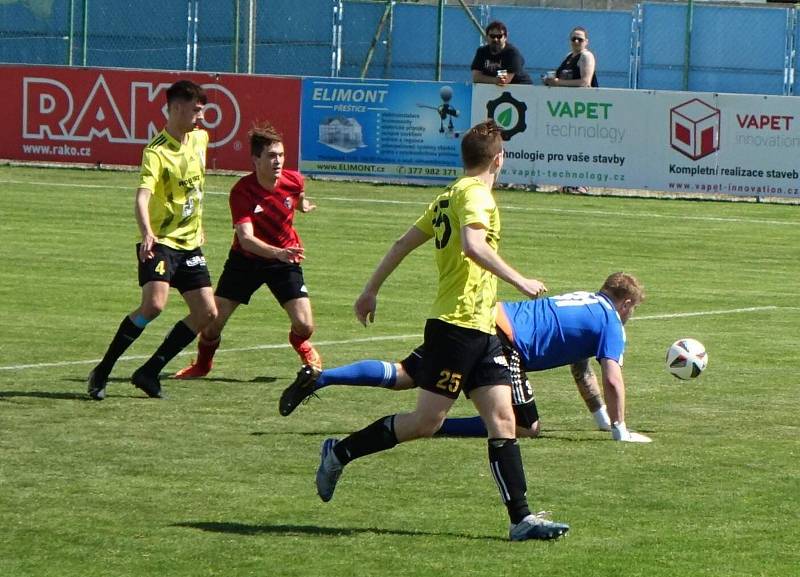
x: 537, y: 335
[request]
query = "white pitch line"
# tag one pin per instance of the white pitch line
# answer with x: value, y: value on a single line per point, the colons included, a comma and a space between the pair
x: 235, y: 350
x: 707, y: 313
x: 381, y: 338
x: 419, y: 203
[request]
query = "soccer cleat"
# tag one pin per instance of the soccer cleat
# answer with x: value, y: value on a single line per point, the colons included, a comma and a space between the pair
x: 148, y: 383
x: 329, y: 470
x: 537, y: 526
x: 300, y: 390
x: 97, y: 386
x: 193, y: 371
x: 309, y: 355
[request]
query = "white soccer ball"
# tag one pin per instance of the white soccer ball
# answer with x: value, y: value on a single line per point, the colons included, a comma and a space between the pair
x: 686, y: 358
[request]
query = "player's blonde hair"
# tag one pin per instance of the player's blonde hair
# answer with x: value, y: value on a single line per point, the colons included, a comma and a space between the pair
x: 261, y: 136
x: 622, y: 286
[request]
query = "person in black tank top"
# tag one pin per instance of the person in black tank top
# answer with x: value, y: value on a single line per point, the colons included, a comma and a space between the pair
x: 578, y: 68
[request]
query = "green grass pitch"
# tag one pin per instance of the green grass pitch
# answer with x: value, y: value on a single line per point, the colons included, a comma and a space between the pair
x: 213, y: 482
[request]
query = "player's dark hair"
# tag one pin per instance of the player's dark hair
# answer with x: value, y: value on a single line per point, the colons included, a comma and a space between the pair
x: 481, y: 144
x: 187, y: 91
x: 621, y: 286
x: 262, y: 136
x: 496, y: 25
x: 580, y: 29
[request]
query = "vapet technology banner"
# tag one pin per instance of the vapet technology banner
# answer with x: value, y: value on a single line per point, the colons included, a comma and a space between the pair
x: 107, y: 116
x: 383, y: 129
x: 670, y: 141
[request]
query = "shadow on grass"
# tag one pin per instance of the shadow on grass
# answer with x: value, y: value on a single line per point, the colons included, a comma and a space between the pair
x: 168, y: 377
x: 5, y: 395
x: 265, y: 529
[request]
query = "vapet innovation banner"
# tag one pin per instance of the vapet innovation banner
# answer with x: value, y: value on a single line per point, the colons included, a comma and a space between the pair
x: 669, y: 141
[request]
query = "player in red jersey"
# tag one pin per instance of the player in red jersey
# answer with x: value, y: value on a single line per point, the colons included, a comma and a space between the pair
x: 266, y: 250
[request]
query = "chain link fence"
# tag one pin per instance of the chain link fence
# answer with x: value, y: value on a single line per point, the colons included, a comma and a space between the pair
x: 677, y: 46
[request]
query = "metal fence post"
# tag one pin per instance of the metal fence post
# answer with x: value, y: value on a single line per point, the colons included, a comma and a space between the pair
x: 439, y: 40
x: 85, y: 30
x: 687, y: 50
x: 251, y: 37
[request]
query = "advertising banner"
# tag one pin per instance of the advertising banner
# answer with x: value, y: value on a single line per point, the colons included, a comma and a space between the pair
x: 669, y: 141
x: 106, y: 116
x: 383, y: 129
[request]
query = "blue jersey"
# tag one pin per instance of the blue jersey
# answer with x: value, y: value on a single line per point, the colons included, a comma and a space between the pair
x: 565, y: 329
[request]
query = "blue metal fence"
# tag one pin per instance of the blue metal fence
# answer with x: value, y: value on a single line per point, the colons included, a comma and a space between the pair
x: 731, y: 48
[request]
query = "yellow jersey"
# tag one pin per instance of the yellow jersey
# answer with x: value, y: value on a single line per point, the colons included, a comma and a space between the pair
x: 467, y: 293
x: 175, y: 173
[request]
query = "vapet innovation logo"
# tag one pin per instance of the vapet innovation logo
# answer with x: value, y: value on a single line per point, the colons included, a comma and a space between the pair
x: 694, y: 128
x: 508, y: 113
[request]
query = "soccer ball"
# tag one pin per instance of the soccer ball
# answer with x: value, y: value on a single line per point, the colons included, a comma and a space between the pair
x: 686, y: 359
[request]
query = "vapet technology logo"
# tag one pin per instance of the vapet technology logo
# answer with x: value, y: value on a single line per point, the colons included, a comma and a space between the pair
x: 508, y: 113
x: 694, y: 128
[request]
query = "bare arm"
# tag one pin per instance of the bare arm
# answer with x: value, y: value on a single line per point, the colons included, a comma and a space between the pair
x: 142, y: 213
x: 367, y: 301
x: 479, y: 77
x: 305, y: 204
x: 473, y: 241
x: 586, y: 381
x: 613, y: 390
x: 252, y: 244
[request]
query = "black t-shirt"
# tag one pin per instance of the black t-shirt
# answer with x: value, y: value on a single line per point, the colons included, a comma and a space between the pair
x: 569, y: 69
x: 509, y: 59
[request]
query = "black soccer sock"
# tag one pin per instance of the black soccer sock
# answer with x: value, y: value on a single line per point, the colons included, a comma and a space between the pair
x: 505, y: 462
x: 178, y: 338
x: 126, y: 334
x: 379, y: 436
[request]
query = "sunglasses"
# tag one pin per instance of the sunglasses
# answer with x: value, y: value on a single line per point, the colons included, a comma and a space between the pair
x: 496, y: 36
x: 578, y: 39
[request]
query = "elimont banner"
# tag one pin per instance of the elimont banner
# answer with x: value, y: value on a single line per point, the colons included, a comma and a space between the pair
x: 669, y: 141
x: 106, y: 116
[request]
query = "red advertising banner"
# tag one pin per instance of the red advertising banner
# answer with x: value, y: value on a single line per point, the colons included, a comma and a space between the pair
x: 106, y: 116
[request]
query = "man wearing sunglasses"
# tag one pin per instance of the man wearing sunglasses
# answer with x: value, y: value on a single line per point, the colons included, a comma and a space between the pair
x: 498, y: 62
x: 578, y: 67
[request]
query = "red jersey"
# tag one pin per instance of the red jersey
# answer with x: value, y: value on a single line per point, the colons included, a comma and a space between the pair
x: 270, y: 211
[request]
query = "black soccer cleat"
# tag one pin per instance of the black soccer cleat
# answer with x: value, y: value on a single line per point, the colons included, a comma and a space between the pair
x: 148, y: 383
x: 97, y: 385
x: 299, y: 390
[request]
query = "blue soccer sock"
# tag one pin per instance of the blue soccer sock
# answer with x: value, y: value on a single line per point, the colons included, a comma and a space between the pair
x: 463, y: 427
x: 361, y: 373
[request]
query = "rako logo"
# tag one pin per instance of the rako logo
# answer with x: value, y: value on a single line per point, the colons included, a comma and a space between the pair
x: 694, y: 128
x: 51, y: 110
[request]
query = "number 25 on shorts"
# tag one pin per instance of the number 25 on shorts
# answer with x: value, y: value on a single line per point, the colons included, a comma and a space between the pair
x: 449, y: 381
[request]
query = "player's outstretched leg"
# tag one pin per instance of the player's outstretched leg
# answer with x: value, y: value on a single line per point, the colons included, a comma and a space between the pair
x: 329, y: 470
x: 537, y: 526
x: 299, y: 390
x: 205, y: 360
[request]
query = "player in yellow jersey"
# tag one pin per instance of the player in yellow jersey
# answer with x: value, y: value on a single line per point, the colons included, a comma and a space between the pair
x: 462, y: 351
x: 169, y: 213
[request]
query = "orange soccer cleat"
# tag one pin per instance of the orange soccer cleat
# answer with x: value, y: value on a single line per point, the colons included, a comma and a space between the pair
x: 194, y: 371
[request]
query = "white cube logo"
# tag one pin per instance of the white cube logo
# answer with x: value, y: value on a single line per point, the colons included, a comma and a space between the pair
x: 694, y: 128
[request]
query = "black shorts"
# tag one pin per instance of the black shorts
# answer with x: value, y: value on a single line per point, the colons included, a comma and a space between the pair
x: 242, y: 276
x: 522, y: 394
x: 459, y: 359
x: 183, y: 269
